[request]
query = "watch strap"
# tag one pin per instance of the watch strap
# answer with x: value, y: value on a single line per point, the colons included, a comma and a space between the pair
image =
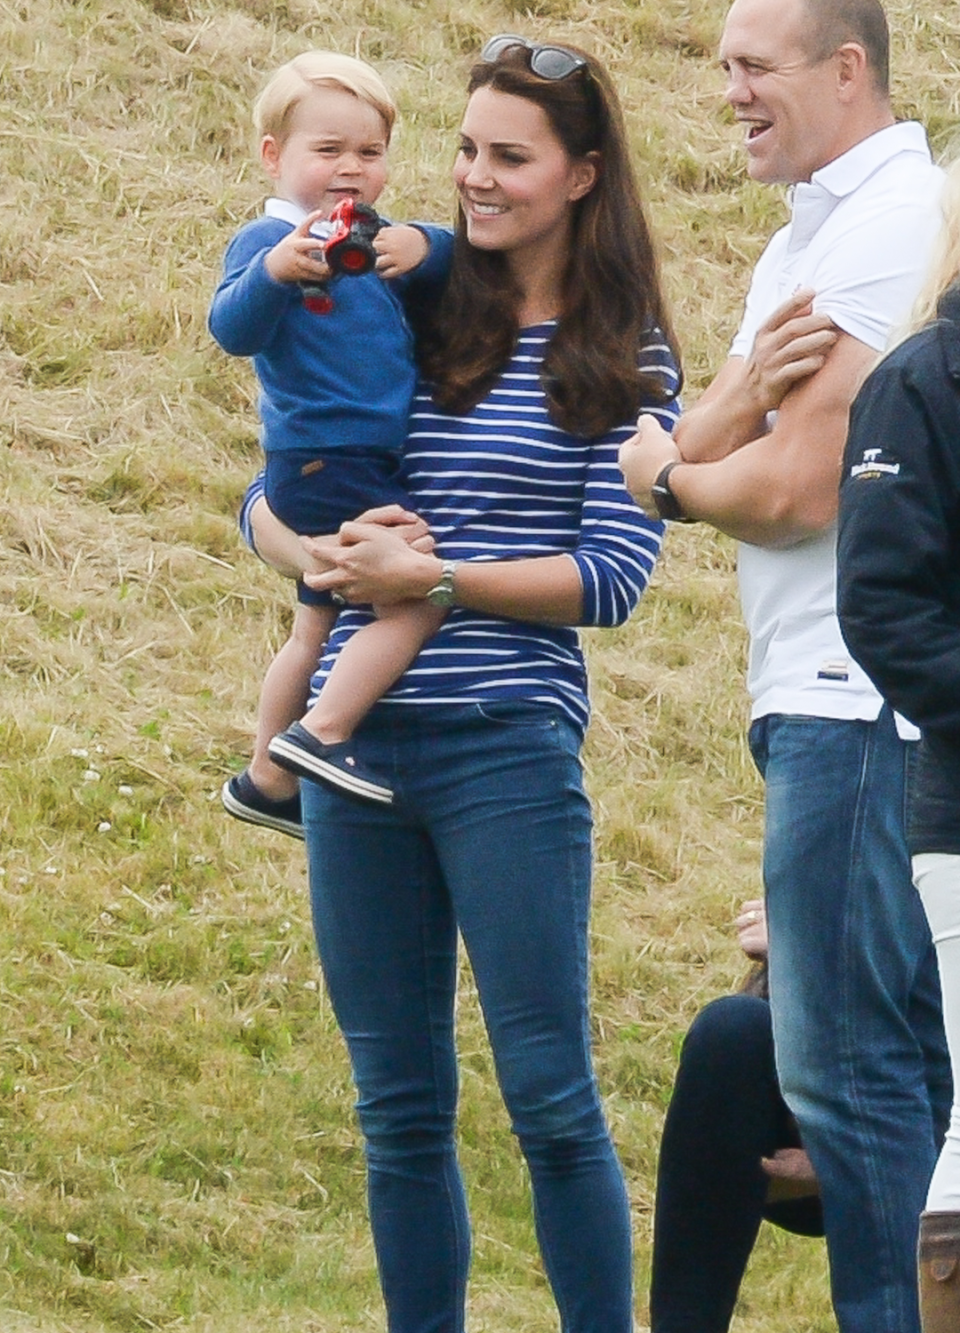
x: 668, y: 506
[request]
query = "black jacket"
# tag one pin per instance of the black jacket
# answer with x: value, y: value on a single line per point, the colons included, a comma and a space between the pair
x: 899, y: 556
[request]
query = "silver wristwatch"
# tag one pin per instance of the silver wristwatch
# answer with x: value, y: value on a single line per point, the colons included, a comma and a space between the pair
x: 443, y: 594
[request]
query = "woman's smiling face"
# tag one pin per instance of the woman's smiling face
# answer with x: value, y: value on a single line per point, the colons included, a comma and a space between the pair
x: 517, y: 183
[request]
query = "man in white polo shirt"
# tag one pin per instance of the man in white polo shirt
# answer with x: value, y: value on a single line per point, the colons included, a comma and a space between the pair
x: 859, y: 1039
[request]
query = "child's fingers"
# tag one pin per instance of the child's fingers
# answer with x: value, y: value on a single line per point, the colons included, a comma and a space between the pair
x: 310, y: 220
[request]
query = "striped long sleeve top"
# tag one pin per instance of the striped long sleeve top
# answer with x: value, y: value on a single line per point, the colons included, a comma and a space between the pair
x: 502, y: 483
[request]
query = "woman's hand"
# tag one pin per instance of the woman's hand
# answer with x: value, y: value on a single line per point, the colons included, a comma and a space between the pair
x: 643, y: 457
x: 380, y: 558
x: 412, y: 527
x: 375, y: 558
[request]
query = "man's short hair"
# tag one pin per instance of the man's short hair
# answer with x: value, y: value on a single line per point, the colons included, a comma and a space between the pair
x: 274, y: 108
x: 834, y: 22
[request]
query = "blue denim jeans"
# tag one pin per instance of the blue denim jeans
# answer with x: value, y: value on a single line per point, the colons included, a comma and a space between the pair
x: 855, y: 997
x: 491, y: 836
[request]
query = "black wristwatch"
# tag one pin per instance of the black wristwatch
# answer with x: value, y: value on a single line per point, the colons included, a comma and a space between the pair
x: 668, y: 506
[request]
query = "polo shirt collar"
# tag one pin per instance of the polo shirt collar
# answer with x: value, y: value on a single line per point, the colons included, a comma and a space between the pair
x: 813, y: 201
x: 294, y: 214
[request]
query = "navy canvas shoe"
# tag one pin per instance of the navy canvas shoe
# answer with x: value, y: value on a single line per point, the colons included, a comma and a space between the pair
x: 243, y: 799
x: 295, y: 749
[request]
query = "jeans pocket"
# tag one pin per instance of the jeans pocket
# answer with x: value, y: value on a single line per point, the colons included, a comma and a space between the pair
x: 541, y: 717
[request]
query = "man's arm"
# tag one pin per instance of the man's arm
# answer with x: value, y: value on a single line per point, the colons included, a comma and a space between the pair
x: 790, y: 345
x: 778, y: 488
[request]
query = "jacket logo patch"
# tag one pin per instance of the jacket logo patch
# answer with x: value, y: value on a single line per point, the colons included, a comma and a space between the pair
x: 875, y: 463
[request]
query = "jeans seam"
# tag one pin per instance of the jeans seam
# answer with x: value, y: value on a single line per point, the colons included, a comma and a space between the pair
x: 868, y: 738
x: 583, y: 978
x: 450, y: 1167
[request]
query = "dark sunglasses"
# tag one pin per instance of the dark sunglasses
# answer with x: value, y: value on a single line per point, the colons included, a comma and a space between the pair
x: 547, y: 62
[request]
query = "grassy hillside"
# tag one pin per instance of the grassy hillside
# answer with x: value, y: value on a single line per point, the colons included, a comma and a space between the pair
x: 177, y: 1150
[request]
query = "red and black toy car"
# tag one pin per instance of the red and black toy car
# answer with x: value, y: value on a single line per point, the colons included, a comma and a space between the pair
x: 348, y: 252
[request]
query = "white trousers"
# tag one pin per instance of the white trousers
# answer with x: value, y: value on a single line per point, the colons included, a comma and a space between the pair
x: 937, y: 877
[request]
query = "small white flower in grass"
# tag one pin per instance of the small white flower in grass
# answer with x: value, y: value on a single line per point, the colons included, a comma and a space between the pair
x: 84, y: 1252
x: 91, y: 775
x: 124, y: 790
x: 104, y: 826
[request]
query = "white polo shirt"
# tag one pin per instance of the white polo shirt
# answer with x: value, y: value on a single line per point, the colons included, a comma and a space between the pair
x: 860, y: 236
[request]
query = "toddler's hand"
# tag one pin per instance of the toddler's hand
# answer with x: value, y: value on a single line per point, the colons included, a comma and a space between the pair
x: 400, y: 249
x: 299, y: 256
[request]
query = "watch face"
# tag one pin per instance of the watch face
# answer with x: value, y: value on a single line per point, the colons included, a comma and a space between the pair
x: 443, y: 594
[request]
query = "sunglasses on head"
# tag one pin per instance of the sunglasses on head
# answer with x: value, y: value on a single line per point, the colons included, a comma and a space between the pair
x: 547, y: 62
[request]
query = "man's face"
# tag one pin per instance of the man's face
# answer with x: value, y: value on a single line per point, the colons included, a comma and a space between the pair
x: 785, y: 98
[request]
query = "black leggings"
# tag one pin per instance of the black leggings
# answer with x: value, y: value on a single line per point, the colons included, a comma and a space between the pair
x: 725, y: 1114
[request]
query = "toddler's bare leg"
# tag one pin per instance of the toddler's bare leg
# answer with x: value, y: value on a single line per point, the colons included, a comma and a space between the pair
x: 284, y: 694
x: 367, y: 665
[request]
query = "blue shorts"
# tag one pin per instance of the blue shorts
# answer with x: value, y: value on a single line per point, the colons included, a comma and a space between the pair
x: 314, y: 491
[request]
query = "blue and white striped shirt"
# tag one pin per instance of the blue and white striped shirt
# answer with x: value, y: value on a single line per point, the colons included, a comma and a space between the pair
x: 505, y: 483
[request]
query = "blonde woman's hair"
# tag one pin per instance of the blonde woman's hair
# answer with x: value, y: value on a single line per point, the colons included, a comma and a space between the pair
x: 274, y: 108
x: 945, y: 264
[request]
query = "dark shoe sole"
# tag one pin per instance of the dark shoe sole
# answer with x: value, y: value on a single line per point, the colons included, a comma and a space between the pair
x: 251, y: 814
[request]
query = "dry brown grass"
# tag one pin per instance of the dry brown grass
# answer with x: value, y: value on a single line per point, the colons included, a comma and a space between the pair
x: 172, y: 1089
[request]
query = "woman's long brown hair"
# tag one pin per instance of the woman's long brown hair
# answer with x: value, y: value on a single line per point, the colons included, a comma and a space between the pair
x: 613, y: 303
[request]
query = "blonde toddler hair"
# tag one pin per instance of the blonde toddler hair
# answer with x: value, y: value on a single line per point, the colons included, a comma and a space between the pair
x: 273, y: 110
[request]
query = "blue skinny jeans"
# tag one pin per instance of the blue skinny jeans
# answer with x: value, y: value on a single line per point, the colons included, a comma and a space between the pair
x: 855, y: 998
x: 491, y: 836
